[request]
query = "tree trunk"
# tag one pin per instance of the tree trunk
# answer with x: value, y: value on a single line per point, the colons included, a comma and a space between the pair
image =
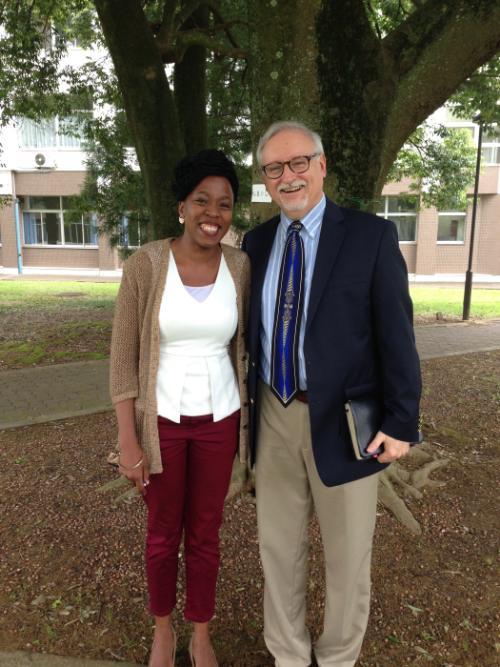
x: 353, y: 87
x: 190, y: 89
x: 376, y: 91
x: 149, y: 105
x: 282, y: 71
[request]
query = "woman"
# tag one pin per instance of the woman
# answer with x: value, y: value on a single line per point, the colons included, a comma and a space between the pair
x: 178, y: 387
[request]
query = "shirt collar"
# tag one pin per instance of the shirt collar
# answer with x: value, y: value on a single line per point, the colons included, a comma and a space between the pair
x: 311, y: 221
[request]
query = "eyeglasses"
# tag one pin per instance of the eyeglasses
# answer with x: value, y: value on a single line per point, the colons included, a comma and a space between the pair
x: 297, y: 164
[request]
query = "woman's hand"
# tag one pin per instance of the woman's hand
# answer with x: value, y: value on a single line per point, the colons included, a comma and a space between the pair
x: 134, y: 466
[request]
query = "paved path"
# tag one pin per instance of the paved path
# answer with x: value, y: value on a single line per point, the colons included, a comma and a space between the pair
x: 44, y: 393
x: 27, y: 659
x: 444, y: 340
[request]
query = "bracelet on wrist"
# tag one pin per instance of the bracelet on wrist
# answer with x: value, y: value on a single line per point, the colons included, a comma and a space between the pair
x: 134, y: 467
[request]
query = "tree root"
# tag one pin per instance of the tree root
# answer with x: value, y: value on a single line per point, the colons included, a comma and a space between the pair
x: 239, y: 479
x: 390, y: 499
x: 400, y: 476
x: 410, y: 482
x: 420, y: 477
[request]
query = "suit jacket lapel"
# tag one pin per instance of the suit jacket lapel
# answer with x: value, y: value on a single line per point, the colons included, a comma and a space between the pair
x: 260, y: 257
x: 330, y: 240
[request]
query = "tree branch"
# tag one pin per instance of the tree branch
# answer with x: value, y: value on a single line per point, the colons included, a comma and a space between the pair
x: 433, y: 51
x: 166, y: 29
x: 374, y: 18
x: 189, y: 38
x: 357, y: 9
x: 429, y: 22
x: 186, y: 12
x: 225, y: 25
x: 419, y: 149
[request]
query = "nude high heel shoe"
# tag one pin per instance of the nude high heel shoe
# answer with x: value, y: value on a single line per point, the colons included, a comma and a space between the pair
x: 190, y: 651
x: 174, y: 646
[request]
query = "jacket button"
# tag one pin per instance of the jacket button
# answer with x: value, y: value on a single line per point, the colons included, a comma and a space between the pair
x: 245, y: 426
x: 252, y: 401
x: 253, y: 364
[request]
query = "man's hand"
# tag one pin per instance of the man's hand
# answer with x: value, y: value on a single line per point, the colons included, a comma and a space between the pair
x: 392, y: 449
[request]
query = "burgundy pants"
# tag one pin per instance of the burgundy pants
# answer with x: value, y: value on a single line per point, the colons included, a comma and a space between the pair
x: 197, y: 457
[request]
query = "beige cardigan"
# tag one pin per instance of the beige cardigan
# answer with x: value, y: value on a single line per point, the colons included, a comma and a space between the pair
x: 135, y: 343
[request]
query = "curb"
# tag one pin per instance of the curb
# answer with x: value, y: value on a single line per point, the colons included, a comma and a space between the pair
x: 28, y: 659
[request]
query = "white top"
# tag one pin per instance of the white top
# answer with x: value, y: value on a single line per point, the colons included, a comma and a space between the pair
x: 195, y: 374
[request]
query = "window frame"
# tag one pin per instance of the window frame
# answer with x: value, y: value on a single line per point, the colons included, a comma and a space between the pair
x: 387, y: 214
x: 463, y: 215
x: 57, y: 123
x: 60, y: 212
x: 123, y: 243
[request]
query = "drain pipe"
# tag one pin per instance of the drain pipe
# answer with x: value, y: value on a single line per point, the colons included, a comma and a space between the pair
x: 18, y: 237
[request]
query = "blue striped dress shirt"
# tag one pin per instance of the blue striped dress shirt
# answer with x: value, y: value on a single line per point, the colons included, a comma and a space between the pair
x: 310, y: 236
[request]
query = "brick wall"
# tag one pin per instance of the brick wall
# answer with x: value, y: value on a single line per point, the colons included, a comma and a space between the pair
x: 52, y: 183
x: 425, y: 257
x: 409, y: 252
x: 61, y: 258
x: 49, y: 183
x: 488, y: 237
x: 9, y: 246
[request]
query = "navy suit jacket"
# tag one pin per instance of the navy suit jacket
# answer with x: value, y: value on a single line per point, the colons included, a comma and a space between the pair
x: 359, y: 337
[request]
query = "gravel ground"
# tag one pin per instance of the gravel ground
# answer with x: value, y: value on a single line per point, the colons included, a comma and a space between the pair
x: 71, y: 563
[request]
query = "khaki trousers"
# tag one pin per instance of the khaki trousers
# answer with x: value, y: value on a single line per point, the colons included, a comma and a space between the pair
x: 288, y: 488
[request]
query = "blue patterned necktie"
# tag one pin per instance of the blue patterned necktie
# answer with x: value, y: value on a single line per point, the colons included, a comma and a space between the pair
x: 289, y: 298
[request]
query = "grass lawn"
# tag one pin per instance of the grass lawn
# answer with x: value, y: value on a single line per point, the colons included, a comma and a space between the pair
x: 428, y: 301
x: 47, y: 322
x: 27, y: 294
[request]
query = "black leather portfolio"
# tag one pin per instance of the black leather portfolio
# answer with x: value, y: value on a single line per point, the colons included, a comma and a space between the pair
x: 364, y: 417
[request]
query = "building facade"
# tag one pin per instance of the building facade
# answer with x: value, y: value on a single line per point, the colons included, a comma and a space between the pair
x: 42, y: 166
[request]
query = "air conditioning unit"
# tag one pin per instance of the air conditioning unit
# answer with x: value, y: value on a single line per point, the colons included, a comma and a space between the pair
x: 43, y: 162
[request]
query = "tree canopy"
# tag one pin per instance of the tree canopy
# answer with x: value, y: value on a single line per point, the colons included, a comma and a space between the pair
x: 189, y: 73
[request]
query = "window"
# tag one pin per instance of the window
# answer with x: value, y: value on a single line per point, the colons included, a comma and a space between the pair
x: 451, y: 227
x: 402, y: 211
x: 40, y: 134
x: 49, y: 133
x: 51, y: 221
x: 130, y: 233
x: 490, y: 148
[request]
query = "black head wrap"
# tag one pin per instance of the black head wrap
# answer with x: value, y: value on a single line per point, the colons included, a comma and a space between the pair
x: 192, y: 169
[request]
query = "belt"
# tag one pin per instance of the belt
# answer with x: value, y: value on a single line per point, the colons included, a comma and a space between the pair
x: 302, y: 396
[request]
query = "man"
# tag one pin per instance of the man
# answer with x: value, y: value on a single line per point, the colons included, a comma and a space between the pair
x: 330, y: 319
